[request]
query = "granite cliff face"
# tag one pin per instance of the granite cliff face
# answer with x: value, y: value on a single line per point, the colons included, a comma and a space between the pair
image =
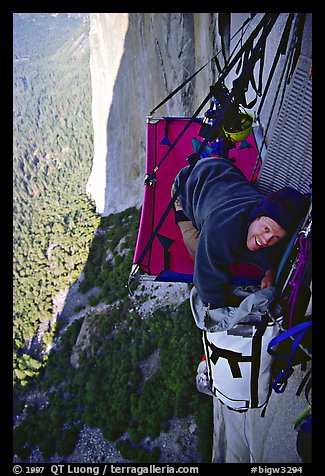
x: 136, y: 60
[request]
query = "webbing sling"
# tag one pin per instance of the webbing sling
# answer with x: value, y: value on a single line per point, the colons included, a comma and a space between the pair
x: 249, y: 63
x: 280, y: 51
x: 215, y: 57
x: 266, y: 24
x: 296, y: 280
x: 299, y: 331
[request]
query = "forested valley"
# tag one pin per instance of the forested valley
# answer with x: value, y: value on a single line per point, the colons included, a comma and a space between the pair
x: 57, y: 236
x: 53, y: 219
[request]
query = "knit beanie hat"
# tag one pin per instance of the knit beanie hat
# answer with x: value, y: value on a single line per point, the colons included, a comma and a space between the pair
x: 286, y: 207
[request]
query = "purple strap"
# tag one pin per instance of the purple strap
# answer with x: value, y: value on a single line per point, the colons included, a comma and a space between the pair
x: 296, y: 279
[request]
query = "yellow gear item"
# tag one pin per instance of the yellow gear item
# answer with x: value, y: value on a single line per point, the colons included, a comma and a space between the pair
x: 240, y: 133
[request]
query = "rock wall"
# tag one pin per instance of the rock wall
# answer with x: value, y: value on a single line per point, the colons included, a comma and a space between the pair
x: 136, y: 60
x: 107, y: 33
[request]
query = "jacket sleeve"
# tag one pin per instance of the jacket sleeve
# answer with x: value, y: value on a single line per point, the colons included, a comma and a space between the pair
x: 211, y: 269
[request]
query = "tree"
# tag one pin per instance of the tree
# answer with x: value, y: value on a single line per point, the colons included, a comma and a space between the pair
x: 66, y: 445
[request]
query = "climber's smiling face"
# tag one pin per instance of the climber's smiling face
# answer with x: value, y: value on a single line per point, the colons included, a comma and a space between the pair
x: 263, y: 232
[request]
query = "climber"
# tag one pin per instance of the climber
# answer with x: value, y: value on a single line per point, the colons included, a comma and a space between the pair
x: 225, y: 220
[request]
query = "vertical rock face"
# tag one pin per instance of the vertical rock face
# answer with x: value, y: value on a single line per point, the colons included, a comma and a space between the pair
x: 107, y: 34
x: 136, y: 60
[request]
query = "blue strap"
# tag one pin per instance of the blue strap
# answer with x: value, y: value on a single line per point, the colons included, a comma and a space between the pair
x: 280, y: 382
x: 299, y: 328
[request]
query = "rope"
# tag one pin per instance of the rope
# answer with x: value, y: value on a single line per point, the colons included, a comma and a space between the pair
x: 296, y: 279
x: 284, y: 69
x: 215, y: 57
x: 304, y: 234
x: 266, y: 24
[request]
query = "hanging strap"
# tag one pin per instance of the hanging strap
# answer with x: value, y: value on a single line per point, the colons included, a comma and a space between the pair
x: 268, y: 20
x: 286, y: 67
x: 215, y: 57
x: 267, y: 17
x: 266, y: 23
x: 281, y: 380
x: 247, y: 78
x: 251, y: 57
x: 299, y: 330
x: 305, y: 383
x: 298, y: 39
x: 298, y: 275
x: 294, y: 53
x: 280, y: 51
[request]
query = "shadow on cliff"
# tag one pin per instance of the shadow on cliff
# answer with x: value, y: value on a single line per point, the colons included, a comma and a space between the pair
x: 125, y: 134
x: 155, y: 60
x: 122, y: 122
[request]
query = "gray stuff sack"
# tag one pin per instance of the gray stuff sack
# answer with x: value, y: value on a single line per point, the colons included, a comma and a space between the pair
x: 253, y: 307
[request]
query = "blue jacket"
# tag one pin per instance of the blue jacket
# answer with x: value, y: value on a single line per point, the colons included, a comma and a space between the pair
x: 218, y: 199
